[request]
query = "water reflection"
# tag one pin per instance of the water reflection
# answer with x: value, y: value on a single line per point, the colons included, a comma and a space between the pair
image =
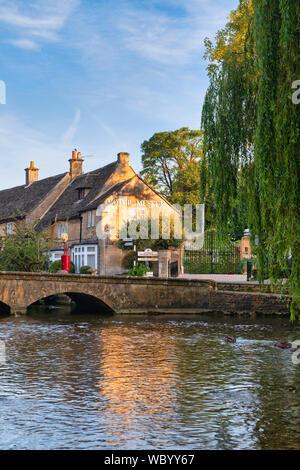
x: 83, y: 381
x: 138, y: 380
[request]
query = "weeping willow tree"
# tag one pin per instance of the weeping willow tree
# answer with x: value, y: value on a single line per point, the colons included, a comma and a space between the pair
x: 251, y: 132
x: 277, y: 140
x: 228, y: 115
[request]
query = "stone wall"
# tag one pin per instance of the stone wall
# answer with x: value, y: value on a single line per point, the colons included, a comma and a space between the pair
x: 125, y: 295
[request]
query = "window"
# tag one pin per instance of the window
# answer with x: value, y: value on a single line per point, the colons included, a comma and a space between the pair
x: 84, y: 255
x: 82, y: 193
x: 56, y: 255
x: 9, y: 228
x: 91, y: 219
x: 62, y: 228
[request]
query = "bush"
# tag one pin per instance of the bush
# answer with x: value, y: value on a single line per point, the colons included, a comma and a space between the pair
x: 56, y: 266
x: 127, y: 261
x: 85, y: 269
x: 139, y: 270
x: 25, y: 250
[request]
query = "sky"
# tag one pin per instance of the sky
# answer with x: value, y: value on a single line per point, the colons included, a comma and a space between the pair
x: 101, y: 76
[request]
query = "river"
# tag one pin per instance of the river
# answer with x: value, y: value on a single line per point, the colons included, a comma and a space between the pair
x: 83, y: 381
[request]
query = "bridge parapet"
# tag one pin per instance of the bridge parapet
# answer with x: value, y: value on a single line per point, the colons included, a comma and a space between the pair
x: 118, y: 294
x: 131, y: 295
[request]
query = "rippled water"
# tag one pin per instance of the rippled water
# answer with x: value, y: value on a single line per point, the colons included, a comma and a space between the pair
x: 92, y: 382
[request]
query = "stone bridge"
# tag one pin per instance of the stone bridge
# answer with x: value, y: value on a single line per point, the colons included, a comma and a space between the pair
x: 127, y: 295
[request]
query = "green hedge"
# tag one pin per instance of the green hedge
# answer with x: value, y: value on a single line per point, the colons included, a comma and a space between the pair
x: 85, y: 269
x: 56, y: 266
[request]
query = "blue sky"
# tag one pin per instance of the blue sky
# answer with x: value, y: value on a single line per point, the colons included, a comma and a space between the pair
x: 98, y: 75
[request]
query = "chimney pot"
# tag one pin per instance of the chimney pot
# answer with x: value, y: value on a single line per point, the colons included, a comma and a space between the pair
x: 76, y: 164
x: 32, y: 174
x: 123, y: 158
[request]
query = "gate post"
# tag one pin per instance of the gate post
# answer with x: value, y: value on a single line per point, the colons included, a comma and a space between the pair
x: 163, y: 263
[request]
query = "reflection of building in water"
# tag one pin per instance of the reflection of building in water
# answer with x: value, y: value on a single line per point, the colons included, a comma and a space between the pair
x: 138, y: 378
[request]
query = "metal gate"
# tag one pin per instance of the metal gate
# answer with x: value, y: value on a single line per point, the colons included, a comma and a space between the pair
x: 215, y: 257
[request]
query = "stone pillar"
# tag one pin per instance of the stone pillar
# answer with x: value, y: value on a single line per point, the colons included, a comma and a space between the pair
x: 164, y: 257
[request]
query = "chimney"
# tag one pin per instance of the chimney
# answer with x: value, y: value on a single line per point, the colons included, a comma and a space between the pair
x: 32, y: 174
x: 123, y: 158
x: 76, y: 164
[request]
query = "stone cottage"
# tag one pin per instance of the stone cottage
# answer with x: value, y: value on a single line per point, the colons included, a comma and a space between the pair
x: 82, y: 205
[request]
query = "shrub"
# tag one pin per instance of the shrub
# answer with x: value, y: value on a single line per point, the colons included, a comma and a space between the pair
x: 56, y: 266
x: 85, y: 269
x: 25, y: 250
x: 127, y: 261
x: 139, y: 270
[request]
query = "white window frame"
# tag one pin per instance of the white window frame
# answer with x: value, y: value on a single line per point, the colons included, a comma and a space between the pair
x: 80, y: 255
x: 55, y: 255
x: 91, y: 219
x: 9, y: 228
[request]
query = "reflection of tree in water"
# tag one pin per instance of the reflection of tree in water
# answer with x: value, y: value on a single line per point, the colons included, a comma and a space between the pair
x: 138, y: 379
x: 217, y: 399
x: 278, y: 402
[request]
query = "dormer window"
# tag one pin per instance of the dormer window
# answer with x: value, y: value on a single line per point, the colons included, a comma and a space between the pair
x: 82, y: 193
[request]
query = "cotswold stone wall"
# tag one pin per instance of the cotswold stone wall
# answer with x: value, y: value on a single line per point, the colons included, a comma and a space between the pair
x: 135, y: 295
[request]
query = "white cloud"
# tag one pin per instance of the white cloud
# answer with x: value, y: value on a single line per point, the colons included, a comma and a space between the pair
x: 160, y: 37
x: 25, y: 44
x: 39, y: 19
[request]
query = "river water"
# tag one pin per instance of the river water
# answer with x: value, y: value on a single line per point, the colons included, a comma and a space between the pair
x: 91, y: 382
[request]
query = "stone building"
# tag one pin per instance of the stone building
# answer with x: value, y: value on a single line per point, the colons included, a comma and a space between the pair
x: 85, y: 206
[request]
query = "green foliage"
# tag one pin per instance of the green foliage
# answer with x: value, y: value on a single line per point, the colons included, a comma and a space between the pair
x: 154, y: 244
x: 171, y: 162
x: 56, y: 266
x: 128, y: 259
x: 227, y: 120
x: 85, y: 270
x: 24, y: 250
x: 139, y: 270
x: 252, y: 133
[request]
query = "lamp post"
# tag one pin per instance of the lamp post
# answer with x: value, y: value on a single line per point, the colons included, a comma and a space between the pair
x: 65, y: 259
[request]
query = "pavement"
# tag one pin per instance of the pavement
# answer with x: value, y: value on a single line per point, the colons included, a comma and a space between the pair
x: 234, y: 278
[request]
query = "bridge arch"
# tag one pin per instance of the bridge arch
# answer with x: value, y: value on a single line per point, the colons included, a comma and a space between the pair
x: 83, y: 300
x: 4, y: 308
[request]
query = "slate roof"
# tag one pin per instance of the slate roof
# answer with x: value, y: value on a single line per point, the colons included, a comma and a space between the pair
x: 16, y: 202
x: 99, y: 200
x: 67, y: 206
x: 20, y: 200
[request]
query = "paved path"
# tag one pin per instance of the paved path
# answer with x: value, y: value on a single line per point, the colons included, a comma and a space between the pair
x: 238, y: 278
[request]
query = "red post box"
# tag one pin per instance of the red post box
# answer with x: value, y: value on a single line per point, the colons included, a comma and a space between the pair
x: 65, y: 263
